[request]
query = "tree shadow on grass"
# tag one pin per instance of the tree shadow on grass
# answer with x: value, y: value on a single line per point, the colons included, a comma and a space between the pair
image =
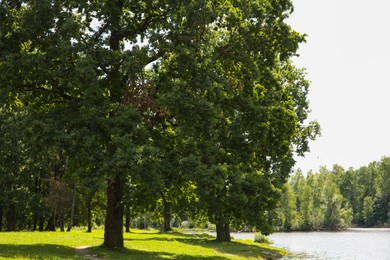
x: 38, y: 251
x: 209, y: 242
x: 233, y: 248
x: 173, y: 236
x: 133, y: 254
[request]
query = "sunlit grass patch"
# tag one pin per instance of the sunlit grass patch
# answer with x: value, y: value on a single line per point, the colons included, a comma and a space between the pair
x: 44, y: 245
x: 139, y: 244
x: 175, y: 245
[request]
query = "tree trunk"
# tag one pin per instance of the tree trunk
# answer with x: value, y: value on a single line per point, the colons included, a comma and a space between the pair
x: 89, y: 215
x: 53, y: 226
x: 113, y: 230
x: 227, y: 232
x: 167, y: 216
x: 41, y: 223
x: 127, y: 217
x: 51, y: 223
x: 223, y: 232
x: 221, y: 236
x: 35, y: 221
x: 62, y: 221
x: 10, y: 218
x: 1, y: 218
x: 72, y: 211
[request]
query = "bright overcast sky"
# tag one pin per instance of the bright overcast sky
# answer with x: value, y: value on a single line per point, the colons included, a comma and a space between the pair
x: 347, y: 59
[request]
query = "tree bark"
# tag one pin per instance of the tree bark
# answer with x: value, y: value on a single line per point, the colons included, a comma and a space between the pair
x: 89, y: 215
x: 167, y: 216
x: 1, y: 218
x: 227, y: 232
x: 223, y: 232
x: 113, y: 233
x: 127, y: 217
x: 10, y: 218
x: 51, y: 223
x: 35, y: 221
x: 62, y: 221
x: 72, y: 210
x: 41, y: 223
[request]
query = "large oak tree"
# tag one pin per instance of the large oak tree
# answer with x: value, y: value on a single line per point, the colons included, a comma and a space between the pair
x: 107, y: 74
x: 238, y: 103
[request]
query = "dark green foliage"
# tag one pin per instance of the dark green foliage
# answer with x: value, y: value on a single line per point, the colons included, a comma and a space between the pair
x: 190, y: 106
x: 238, y: 104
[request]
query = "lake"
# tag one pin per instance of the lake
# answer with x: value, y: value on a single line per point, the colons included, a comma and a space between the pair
x: 351, y: 244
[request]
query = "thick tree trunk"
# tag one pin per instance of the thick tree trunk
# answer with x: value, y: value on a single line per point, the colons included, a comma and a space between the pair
x: 113, y: 232
x: 167, y: 216
x: 72, y: 211
x: 89, y: 215
x: 221, y: 236
x: 227, y: 232
x: 223, y: 232
x: 127, y: 217
x: 51, y: 226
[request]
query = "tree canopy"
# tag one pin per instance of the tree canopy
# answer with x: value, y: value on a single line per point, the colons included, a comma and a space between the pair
x: 206, y: 88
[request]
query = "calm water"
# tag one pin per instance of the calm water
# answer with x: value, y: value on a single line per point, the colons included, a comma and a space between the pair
x: 344, y: 245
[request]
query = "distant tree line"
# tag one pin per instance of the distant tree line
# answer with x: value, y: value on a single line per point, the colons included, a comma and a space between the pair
x: 336, y: 199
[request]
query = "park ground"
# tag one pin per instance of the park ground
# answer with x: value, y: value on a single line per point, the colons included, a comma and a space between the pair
x: 139, y: 244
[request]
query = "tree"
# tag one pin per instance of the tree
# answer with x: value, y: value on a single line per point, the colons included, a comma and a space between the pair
x: 336, y: 215
x: 59, y: 199
x: 311, y: 215
x: 383, y: 191
x: 240, y: 110
x: 70, y: 70
x: 15, y: 182
x: 289, y: 208
x: 368, y: 210
x: 89, y: 188
x: 219, y: 70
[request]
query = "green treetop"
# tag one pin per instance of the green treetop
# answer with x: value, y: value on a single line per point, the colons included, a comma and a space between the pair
x: 108, y: 74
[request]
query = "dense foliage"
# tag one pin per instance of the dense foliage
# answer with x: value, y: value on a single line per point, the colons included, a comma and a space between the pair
x: 187, y: 106
x: 337, y: 198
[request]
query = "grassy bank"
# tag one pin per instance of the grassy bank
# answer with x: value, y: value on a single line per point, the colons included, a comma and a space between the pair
x: 138, y: 245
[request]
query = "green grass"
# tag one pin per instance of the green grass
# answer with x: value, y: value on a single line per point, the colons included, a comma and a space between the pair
x: 138, y: 245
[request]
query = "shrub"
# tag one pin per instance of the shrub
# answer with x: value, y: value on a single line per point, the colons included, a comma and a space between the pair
x: 188, y: 224
x: 211, y: 227
x: 260, y: 238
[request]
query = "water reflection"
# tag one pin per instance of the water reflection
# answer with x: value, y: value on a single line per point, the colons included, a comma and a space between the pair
x: 351, y: 244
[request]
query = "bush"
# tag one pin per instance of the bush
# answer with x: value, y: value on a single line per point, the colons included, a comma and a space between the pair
x: 188, y: 224
x: 260, y: 238
x: 211, y: 227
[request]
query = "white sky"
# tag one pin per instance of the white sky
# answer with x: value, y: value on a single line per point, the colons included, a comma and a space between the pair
x: 347, y: 57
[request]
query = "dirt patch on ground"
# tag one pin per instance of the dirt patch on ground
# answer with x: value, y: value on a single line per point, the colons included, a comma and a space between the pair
x: 85, y: 252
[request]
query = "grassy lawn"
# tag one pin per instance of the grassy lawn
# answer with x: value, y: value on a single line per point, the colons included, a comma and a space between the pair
x: 138, y: 245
